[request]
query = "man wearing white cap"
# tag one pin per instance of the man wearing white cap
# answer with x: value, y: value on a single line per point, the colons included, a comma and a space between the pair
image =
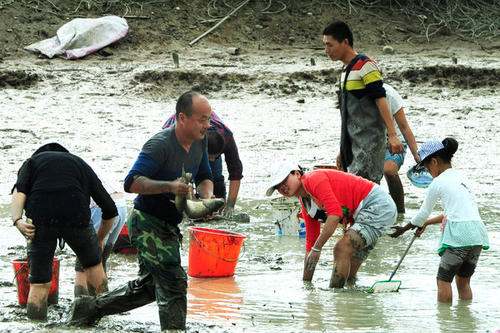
x: 365, y: 211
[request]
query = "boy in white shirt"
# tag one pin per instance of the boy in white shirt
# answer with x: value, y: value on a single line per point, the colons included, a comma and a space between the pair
x: 393, y: 162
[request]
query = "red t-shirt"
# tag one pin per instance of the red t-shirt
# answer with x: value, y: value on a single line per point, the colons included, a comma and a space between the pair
x: 332, y: 191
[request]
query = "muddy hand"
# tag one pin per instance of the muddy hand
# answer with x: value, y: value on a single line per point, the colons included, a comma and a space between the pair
x: 26, y: 229
x: 395, y: 146
x: 228, y: 211
x: 339, y: 162
x: 178, y: 187
x: 420, y: 231
x: 312, y: 260
x: 398, y: 231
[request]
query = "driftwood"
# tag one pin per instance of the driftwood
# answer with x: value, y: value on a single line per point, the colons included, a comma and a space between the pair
x: 194, y: 41
x: 218, y: 65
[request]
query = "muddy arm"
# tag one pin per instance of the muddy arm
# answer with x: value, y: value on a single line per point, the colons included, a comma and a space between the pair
x: 17, y: 205
x: 403, y: 125
x: 395, y: 145
x: 234, y: 188
x: 145, y: 185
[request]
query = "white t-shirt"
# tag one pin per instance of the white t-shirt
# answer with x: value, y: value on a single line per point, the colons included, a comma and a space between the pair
x: 457, y: 201
x: 395, y: 102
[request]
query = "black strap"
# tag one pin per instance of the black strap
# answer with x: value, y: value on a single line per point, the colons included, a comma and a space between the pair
x: 345, y: 141
x: 348, y: 69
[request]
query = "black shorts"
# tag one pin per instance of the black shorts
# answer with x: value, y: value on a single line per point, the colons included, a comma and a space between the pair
x: 220, y: 188
x: 81, y: 239
x: 458, y: 261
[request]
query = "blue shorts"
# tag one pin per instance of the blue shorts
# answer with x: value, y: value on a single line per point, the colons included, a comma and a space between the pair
x: 396, y: 158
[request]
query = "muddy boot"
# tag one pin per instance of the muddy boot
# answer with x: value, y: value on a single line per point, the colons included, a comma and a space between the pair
x: 37, y: 311
x: 396, y: 191
x: 173, y: 315
x: 89, y: 310
x: 84, y: 311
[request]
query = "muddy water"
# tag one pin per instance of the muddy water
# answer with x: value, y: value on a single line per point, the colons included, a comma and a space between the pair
x: 92, y: 108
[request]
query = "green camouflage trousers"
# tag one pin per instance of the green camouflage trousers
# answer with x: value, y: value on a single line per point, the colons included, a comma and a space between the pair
x: 158, y: 244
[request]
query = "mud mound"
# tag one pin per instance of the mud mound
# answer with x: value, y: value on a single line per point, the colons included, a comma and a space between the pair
x: 179, y: 81
x: 17, y: 79
x: 172, y: 83
x: 453, y: 76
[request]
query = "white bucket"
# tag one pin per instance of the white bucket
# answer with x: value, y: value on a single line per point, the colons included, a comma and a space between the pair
x: 285, y: 211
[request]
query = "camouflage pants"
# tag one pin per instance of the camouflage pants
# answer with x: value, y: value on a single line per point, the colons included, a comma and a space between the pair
x: 160, y: 266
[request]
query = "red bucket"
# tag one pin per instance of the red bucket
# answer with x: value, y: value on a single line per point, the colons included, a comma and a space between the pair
x: 212, y: 252
x: 22, y: 271
x: 123, y: 244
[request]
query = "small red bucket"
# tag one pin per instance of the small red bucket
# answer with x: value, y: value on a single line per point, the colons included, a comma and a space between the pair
x: 212, y: 252
x: 22, y: 271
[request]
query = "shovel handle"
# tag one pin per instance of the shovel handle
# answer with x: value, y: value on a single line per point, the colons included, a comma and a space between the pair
x: 403, y: 256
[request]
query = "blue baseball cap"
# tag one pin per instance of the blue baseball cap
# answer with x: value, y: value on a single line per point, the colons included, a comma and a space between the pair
x: 428, y: 148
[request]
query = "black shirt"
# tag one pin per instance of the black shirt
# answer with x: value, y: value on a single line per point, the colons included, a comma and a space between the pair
x: 58, y: 187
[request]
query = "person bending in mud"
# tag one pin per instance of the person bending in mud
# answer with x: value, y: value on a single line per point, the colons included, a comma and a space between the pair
x: 392, y: 162
x: 364, y: 110
x: 54, y: 188
x: 221, y: 141
x: 361, y: 206
x: 153, y: 223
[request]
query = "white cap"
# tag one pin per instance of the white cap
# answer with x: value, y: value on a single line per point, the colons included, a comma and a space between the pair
x: 279, y: 173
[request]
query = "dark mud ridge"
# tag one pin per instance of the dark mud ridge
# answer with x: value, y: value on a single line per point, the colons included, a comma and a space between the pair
x: 17, y: 79
x: 174, y: 82
x: 452, y: 76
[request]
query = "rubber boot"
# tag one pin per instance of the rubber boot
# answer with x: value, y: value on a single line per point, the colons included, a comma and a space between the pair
x: 88, y: 310
x: 172, y: 312
x: 396, y: 191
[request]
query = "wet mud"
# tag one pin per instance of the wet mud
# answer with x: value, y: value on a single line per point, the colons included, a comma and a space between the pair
x: 461, y: 77
x: 104, y: 109
x: 174, y: 82
x: 18, y: 79
x: 309, y: 82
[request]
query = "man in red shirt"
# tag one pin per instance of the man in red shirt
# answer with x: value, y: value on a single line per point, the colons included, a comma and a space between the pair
x: 361, y: 206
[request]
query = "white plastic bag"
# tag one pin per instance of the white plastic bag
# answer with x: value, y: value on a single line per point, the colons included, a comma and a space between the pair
x: 82, y: 36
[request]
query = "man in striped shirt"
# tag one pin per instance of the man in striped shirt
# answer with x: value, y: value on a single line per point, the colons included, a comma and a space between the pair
x: 365, y: 114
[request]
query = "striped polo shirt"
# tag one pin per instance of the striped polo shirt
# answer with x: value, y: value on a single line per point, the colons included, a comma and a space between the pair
x: 365, y: 78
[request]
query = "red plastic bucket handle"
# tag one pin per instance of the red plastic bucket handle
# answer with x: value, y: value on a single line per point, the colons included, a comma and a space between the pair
x: 201, y: 245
